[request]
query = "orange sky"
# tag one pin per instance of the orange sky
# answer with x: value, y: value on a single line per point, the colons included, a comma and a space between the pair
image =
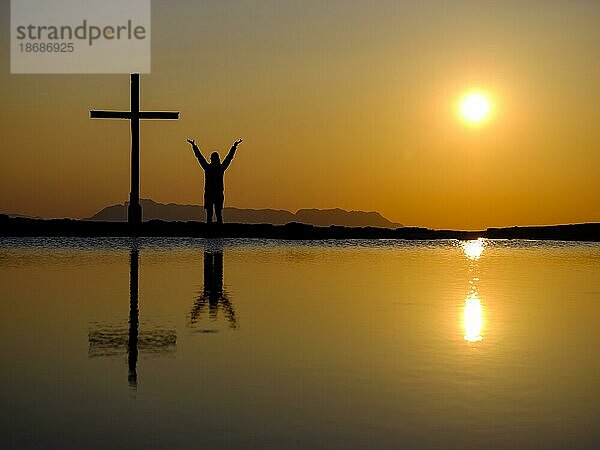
x: 341, y: 104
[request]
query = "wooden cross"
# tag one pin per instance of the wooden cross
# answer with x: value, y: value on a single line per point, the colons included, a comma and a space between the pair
x: 134, y: 212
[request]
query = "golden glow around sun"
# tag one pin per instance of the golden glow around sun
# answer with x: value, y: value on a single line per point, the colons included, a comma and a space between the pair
x: 475, y: 107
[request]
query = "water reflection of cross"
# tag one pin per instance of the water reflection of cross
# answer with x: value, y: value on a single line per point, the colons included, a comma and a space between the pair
x: 134, y: 212
x: 134, y: 318
x: 112, y: 340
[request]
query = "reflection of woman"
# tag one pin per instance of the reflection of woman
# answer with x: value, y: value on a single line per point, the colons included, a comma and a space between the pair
x: 213, y: 295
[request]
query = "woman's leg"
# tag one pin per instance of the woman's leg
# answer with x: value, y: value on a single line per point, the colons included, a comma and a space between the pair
x: 219, y: 208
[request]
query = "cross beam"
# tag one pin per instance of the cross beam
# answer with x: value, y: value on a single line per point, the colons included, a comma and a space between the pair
x: 127, y: 115
x: 134, y: 212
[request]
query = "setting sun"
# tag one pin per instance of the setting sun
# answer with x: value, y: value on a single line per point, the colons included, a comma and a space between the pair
x: 475, y: 107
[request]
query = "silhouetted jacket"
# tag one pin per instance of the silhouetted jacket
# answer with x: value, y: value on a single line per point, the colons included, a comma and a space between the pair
x: 213, y: 173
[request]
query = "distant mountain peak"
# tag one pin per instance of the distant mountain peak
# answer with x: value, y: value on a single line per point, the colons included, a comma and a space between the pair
x: 173, y: 212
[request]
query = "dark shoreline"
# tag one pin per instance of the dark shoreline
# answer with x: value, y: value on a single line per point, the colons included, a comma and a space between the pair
x: 20, y: 227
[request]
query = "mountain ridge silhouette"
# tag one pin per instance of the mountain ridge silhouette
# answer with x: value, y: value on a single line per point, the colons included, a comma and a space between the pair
x: 173, y: 212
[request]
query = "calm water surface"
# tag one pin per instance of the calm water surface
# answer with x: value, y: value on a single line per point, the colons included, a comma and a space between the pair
x: 190, y: 343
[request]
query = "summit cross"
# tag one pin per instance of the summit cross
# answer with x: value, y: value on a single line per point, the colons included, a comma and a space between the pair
x: 134, y: 212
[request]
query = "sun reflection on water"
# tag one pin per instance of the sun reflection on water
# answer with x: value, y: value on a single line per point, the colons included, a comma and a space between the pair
x: 473, y: 311
x: 473, y: 318
x: 473, y: 249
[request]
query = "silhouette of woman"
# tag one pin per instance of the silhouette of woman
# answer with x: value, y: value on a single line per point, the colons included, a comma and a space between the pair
x: 213, y: 179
